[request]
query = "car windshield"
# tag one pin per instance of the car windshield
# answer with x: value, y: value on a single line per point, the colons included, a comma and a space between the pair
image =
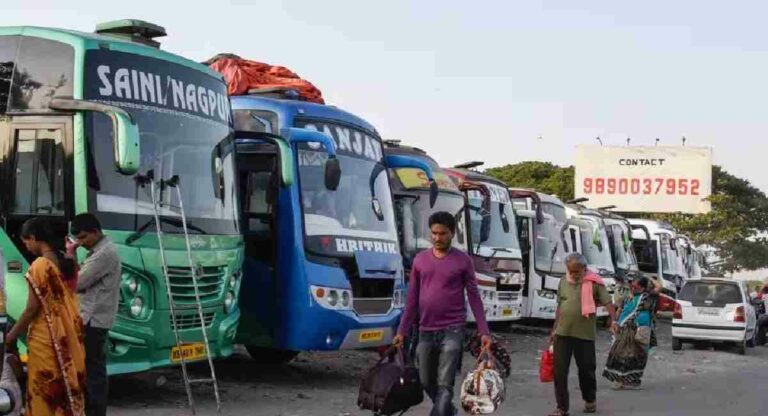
x: 714, y: 293
x: 622, y: 247
x: 502, y: 241
x: 344, y: 221
x: 178, y: 138
x: 413, y: 213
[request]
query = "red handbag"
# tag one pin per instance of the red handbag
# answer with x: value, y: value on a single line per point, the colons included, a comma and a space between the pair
x: 547, y: 366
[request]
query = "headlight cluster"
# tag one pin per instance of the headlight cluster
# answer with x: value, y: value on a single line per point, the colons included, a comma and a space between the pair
x: 230, y: 298
x: 137, y: 294
x: 398, y: 298
x: 488, y: 295
x: 547, y: 294
x: 332, y: 298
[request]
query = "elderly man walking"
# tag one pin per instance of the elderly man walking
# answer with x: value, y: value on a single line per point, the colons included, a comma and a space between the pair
x: 575, y: 329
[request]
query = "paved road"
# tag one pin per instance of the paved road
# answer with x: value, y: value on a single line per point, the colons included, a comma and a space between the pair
x: 695, y: 382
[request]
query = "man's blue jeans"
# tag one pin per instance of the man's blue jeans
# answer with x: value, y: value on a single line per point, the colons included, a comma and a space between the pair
x: 438, y: 356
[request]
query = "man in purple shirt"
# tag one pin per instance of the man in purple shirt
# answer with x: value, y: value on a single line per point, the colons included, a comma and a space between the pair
x: 439, y: 278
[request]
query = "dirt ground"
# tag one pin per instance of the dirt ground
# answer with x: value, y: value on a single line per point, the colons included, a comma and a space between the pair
x: 697, y: 382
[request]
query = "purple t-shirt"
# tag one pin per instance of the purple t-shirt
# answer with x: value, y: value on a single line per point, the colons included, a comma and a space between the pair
x: 436, y: 293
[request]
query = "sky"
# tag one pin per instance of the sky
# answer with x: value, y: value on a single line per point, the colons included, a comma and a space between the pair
x: 496, y: 81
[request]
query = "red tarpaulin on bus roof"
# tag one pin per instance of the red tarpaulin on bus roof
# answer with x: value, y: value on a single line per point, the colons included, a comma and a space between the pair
x: 243, y: 75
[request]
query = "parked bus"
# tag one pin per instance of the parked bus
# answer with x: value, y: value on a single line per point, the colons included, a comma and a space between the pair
x: 652, y: 242
x: 323, y: 269
x: 493, y: 243
x: 541, y: 222
x: 413, y: 207
x: 83, y: 117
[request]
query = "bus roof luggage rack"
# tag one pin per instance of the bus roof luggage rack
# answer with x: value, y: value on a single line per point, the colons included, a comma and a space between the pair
x: 277, y: 92
x: 134, y: 30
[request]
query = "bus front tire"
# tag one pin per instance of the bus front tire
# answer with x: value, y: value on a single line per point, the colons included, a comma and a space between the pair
x: 263, y: 355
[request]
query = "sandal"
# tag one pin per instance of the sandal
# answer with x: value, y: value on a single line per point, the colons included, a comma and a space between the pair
x: 590, y: 407
x: 559, y: 412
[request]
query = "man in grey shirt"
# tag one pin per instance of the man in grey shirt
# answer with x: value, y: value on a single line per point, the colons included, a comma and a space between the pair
x: 98, y: 286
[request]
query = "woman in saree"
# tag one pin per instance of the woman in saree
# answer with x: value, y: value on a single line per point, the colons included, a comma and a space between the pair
x: 629, y: 352
x: 51, y: 320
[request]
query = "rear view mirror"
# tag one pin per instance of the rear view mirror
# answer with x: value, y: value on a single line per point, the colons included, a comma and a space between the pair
x: 433, y: 191
x: 485, y: 227
x: 332, y: 167
x: 332, y: 173
x: 125, y: 132
x: 400, y: 161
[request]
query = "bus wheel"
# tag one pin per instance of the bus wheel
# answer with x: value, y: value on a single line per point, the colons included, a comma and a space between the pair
x: 264, y: 355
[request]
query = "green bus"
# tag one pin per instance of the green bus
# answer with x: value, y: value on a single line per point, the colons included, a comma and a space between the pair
x: 85, y: 116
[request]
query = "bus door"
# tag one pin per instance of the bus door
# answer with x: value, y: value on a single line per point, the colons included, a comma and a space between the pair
x: 259, y: 184
x: 524, y: 236
x: 37, y: 169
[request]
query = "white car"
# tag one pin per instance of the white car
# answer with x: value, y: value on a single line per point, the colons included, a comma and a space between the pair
x: 714, y: 310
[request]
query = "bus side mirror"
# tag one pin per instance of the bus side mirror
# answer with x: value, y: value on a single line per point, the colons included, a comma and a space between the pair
x: 125, y: 132
x: 485, y: 227
x: 332, y: 173
x: 332, y: 167
x: 400, y: 161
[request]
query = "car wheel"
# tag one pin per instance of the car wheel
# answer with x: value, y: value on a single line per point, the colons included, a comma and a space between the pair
x: 751, y: 341
x: 677, y: 344
x: 741, y: 348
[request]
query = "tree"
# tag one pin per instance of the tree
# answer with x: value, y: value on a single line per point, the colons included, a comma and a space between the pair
x: 541, y: 176
x: 736, y: 227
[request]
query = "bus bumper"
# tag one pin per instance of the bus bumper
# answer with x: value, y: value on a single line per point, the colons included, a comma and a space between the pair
x: 133, y: 348
x: 329, y: 330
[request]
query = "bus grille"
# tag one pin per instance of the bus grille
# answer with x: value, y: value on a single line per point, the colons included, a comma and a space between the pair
x: 508, y: 296
x: 372, y: 306
x: 209, y: 284
x: 192, y: 321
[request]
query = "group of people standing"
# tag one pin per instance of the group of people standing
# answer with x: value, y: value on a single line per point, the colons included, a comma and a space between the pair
x: 575, y: 329
x: 70, y: 309
x: 440, y: 279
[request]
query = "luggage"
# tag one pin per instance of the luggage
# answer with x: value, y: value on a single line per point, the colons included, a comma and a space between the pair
x: 482, y: 391
x: 547, y: 366
x: 500, y: 355
x: 391, y: 386
x: 243, y: 75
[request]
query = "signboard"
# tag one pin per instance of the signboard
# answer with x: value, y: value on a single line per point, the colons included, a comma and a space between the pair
x: 660, y: 179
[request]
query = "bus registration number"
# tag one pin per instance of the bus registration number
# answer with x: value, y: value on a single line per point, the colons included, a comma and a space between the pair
x: 371, y: 336
x: 190, y: 351
x: 506, y: 312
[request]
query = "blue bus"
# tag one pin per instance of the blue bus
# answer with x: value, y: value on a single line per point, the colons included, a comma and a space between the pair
x: 323, y: 269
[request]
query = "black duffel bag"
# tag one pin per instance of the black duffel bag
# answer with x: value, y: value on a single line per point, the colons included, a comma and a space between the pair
x: 391, y: 386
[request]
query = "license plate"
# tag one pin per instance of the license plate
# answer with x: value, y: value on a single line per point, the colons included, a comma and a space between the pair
x: 709, y: 311
x: 371, y: 336
x: 191, y: 352
x: 506, y: 312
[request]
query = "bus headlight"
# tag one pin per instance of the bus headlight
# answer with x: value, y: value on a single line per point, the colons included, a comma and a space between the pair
x: 233, y: 279
x: 332, y: 298
x: 398, y: 299
x: 137, y: 307
x: 229, y: 301
x: 132, y: 284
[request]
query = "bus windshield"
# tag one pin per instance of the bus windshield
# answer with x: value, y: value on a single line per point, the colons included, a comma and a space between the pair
x: 502, y: 239
x: 188, y: 135
x: 344, y: 221
x: 622, y: 248
x: 548, y: 246
x: 414, y: 211
x: 595, y: 244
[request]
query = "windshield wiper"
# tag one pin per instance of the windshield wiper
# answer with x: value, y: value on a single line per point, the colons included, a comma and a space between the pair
x: 167, y: 220
x: 495, y: 250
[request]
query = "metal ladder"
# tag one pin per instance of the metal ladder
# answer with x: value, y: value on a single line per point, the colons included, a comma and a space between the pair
x: 173, y: 182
